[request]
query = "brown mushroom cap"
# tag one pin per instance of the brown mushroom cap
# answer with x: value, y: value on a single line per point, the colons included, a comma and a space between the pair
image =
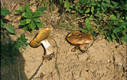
x: 43, y: 34
x: 79, y: 38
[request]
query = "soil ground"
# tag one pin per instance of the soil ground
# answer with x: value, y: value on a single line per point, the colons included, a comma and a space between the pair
x: 103, y: 61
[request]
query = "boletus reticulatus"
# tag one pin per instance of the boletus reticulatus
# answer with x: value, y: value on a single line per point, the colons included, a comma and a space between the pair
x: 42, y: 39
x: 80, y: 40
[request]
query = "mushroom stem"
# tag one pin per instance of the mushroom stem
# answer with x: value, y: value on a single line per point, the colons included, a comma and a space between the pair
x: 47, y: 47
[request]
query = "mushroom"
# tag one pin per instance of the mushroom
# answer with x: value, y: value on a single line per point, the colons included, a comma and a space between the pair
x: 41, y: 38
x: 79, y: 39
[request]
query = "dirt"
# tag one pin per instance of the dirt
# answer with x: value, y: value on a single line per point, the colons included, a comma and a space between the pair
x: 103, y: 61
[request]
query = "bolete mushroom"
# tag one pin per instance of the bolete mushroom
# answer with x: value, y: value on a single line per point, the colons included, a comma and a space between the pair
x: 41, y: 38
x: 79, y: 39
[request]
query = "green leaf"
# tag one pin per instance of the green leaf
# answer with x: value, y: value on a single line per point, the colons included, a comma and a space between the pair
x: 25, y: 28
x: 5, y: 12
x: 98, y: 14
x: 27, y: 14
x: 23, y: 22
x: 109, y: 38
x: 39, y: 25
x: 113, y: 17
x: 37, y: 20
x: 37, y: 14
x: 83, y: 30
x: 32, y: 25
x: 18, y: 11
x: 21, y: 42
x: 124, y: 39
x: 88, y: 10
x: 113, y: 37
x: 92, y: 9
x: 42, y: 9
x: 125, y: 17
x: 88, y: 24
x: 28, y: 21
x: 67, y: 5
x: 27, y: 8
x: 116, y: 30
x: 80, y: 11
x: 2, y: 24
x: 115, y: 4
x: 10, y: 29
x: 124, y: 32
x: 20, y: 7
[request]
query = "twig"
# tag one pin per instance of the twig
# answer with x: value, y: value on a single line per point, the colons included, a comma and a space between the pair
x: 36, y: 70
x: 56, y: 66
x: 38, y: 67
x: 76, y: 19
x: 79, y: 18
x: 2, y: 6
x: 43, y: 61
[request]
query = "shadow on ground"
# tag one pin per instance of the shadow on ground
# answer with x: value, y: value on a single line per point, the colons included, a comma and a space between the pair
x: 12, y: 71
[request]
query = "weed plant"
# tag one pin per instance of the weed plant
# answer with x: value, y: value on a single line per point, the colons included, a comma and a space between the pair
x: 102, y: 17
x: 30, y: 20
x: 10, y: 50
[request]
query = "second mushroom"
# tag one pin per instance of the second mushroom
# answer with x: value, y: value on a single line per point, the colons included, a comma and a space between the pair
x: 80, y: 40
